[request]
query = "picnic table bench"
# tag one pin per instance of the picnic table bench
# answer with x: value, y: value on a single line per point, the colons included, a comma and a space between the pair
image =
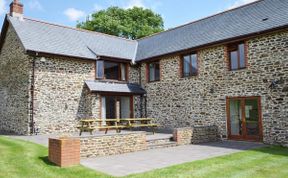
x: 86, y: 125
x: 118, y: 124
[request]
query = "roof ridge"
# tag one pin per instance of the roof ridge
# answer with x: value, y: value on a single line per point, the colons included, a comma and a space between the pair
x: 201, y: 19
x: 78, y: 29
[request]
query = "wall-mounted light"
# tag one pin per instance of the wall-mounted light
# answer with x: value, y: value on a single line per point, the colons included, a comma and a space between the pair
x: 274, y: 83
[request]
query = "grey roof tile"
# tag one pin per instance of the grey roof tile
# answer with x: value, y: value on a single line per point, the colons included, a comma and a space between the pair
x: 55, y: 39
x: 234, y: 23
x: 111, y: 87
x: 49, y: 38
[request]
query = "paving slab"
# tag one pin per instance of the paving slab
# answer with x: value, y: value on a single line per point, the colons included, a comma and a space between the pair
x: 138, y: 162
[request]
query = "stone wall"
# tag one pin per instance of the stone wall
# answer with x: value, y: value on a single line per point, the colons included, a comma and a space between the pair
x: 15, y: 76
x: 204, y: 134
x: 61, y: 97
x: 195, y: 135
x: 201, y: 100
x: 112, y: 144
x: 183, y: 136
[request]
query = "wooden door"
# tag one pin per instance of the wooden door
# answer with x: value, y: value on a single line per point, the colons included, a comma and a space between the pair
x: 244, y: 118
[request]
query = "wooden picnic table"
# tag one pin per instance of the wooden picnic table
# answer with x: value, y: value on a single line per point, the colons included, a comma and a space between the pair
x: 129, y: 123
x: 86, y: 125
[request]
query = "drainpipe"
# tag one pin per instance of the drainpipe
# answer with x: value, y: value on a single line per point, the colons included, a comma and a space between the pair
x: 32, y: 123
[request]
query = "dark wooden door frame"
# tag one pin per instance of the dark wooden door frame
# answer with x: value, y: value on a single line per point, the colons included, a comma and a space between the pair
x: 244, y: 135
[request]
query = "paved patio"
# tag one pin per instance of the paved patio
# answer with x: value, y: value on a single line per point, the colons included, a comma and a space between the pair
x: 138, y: 162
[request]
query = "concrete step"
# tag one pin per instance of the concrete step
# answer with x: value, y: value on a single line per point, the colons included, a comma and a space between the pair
x: 162, y: 145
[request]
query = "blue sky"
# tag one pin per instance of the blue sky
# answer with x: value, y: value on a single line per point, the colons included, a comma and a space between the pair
x: 67, y: 12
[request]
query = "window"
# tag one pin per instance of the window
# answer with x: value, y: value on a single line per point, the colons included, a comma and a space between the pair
x: 237, y: 56
x: 100, y: 69
x: 190, y: 65
x: 111, y: 70
x: 153, y: 71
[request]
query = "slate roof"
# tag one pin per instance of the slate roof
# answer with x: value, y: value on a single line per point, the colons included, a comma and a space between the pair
x: 50, y: 38
x: 241, y: 21
x: 250, y: 19
x: 110, y: 87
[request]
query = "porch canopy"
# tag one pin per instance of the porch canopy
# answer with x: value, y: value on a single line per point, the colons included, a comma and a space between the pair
x: 113, y: 87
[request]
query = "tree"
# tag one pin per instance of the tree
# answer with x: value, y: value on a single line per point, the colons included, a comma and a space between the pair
x: 133, y: 23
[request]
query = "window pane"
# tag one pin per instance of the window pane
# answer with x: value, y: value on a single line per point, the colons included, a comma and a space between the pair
x: 234, y: 60
x: 241, y: 49
x: 99, y: 72
x: 125, y: 110
x: 194, y: 66
x: 186, y: 66
x: 123, y: 72
x: 157, y: 71
x: 151, y: 72
x: 111, y: 70
x: 235, y: 117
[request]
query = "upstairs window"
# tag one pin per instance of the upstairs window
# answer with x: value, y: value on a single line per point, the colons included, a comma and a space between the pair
x: 190, y: 65
x: 111, y: 70
x: 237, y: 56
x: 153, y: 71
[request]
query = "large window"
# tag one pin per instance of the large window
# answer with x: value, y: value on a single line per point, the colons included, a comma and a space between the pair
x: 190, y: 65
x: 153, y: 71
x: 111, y: 70
x: 237, y: 56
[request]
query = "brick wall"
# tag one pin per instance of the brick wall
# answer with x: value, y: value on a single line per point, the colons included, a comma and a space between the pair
x: 113, y: 144
x: 64, y: 152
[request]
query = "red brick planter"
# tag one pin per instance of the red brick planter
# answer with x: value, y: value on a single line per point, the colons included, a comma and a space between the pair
x: 64, y: 152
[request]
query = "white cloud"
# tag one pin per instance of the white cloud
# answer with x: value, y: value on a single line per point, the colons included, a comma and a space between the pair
x: 240, y: 3
x: 2, y: 7
x: 135, y: 3
x: 35, y: 5
x: 74, y: 14
x: 98, y: 7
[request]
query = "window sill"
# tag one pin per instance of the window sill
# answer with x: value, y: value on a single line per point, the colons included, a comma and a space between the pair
x: 235, y: 70
x: 190, y: 76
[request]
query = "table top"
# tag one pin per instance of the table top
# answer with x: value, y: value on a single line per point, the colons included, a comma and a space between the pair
x: 87, y: 120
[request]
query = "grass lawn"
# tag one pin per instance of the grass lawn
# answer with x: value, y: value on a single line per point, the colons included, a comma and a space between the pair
x: 29, y: 160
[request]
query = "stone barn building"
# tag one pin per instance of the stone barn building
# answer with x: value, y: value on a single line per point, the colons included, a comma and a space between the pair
x: 228, y: 70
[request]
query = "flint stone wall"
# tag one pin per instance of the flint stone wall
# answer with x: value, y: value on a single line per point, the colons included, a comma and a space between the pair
x: 201, y: 100
x: 15, y: 83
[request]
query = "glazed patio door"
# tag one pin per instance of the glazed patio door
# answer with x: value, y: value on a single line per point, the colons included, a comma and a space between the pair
x: 116, y: 107
x: 244, y: 118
